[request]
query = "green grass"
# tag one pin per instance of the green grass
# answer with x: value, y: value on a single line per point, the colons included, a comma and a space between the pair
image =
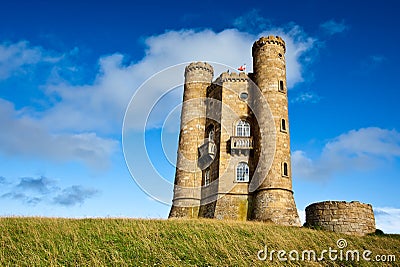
x: 136, y: 242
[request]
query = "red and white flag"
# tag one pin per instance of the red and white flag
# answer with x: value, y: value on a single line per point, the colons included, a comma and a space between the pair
x: 242, y: 68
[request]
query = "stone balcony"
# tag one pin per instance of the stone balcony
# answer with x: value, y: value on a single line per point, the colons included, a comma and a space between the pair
x: 207, y: 153
x: 241, y: 143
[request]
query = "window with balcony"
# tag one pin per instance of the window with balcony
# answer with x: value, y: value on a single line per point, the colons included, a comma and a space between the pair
x: 242, y: 140
x: 207, y: 150
x: 242, y: 172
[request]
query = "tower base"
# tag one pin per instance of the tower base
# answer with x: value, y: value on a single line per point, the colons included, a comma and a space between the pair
x: 277, y: 206
x: 184, y: 212
x: 232, y: 207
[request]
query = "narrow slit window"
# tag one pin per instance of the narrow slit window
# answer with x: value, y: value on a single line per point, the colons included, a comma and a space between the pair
x: 285, y: 169
x: 211, y: 133
x: 281, y: 88
x: 283, y: 125
x: 207, y: 177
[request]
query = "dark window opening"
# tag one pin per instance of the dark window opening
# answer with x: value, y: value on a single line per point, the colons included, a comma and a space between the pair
x: 207, y: 179
x: 285, y: 169
x: 211, y: 133
x: 281, y: 88
x: 244, y: 95
x: 284, y: 125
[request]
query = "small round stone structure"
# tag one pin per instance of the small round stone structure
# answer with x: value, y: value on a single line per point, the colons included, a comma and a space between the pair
x: 352, y: 218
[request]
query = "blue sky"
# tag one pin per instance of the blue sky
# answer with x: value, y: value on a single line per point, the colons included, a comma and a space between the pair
x: 69, y: 69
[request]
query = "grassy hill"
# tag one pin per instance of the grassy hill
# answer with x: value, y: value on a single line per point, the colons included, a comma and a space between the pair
x: 134, y: 242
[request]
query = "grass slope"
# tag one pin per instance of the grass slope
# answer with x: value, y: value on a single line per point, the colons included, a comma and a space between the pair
x: 134, y: 242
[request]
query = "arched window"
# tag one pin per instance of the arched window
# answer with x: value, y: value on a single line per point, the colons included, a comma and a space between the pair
x: 211, y: 133
x: 242, y: 172
x: 243, y: 128
x: 285, y: 169
x: 207, y: 179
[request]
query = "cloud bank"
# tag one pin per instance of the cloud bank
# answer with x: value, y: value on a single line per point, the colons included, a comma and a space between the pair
x: 103, y: 103
x: 83, y: 122
x: 361, y: 149
x: 15, y: 58
x: 387, y: 219
x: 26, y: 136
x: 32, y: 191
x: 306, y: 97
x: 74, y: 195
x: 332, y: 27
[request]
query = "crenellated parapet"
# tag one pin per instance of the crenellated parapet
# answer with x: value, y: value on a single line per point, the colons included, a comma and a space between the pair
x: 268, y: 40
x: 232, y: 77
x: 199, y: 71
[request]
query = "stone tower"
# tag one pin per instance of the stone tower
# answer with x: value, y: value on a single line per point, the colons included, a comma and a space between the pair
x: 273, y: 200
x: 234, y: 145
x: 188, y: 177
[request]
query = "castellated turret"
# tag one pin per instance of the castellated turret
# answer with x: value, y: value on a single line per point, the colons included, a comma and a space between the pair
x: 273, y: 200
x: 188, y: 177
x: 234, y: 145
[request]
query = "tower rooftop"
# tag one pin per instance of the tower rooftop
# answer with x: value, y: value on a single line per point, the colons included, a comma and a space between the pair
x: 268, y: 40
x: 200, y: 66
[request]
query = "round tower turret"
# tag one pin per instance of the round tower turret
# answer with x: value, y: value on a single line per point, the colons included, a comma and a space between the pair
x: 188, y: 178
x: 273, y: 200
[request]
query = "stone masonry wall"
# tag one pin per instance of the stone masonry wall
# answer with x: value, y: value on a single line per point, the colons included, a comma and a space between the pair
x: 353, y: 218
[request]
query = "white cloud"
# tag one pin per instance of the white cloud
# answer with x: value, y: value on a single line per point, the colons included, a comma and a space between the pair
x: 252, y: 22
x: 72, y: 126
x: 332, y: 27
x: 306, y: 97
x: 22, y: 135
x: 15, y: 57
x: 362, y: 149
x: 93, y: 107
x: 387, y: 219
x: 371, y: 63
x: 100, y: 106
